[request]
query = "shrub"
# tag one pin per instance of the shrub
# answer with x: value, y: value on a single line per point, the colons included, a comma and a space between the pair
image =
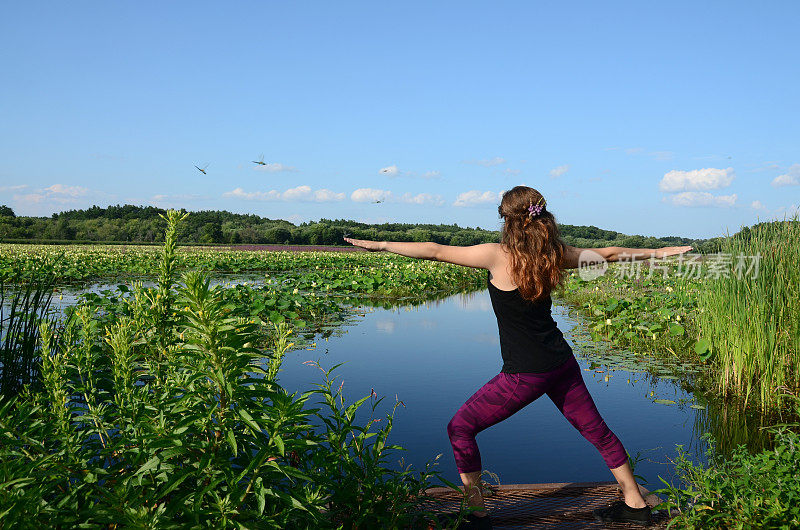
x: 760, y: 490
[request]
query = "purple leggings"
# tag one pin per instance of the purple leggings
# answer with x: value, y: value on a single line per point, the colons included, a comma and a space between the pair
x: 505, y: 394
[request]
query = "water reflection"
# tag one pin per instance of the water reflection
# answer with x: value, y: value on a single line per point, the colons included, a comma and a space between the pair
x: 731, y: 426
x: 434, y: 354
x: 70, y: 295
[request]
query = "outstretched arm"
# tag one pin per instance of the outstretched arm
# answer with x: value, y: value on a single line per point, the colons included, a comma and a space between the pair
x: 573, y: 257
x: 483, y: 256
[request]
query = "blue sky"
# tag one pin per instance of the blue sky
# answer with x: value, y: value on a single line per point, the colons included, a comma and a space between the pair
x: 677, y: 118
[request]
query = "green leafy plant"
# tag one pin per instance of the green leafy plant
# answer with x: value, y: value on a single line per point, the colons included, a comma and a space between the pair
x: 744, y: 490
x: 163, y: 415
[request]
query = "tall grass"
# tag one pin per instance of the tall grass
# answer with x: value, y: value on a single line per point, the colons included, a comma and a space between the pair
x: 753, y: 321
x: 21, y: 309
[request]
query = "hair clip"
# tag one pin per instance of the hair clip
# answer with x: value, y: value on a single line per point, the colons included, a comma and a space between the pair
x: 536, y: 209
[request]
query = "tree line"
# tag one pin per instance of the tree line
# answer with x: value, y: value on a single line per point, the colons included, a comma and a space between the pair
x: 142, y: 225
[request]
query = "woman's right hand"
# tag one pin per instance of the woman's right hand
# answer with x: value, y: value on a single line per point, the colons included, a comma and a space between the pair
x: 372, y: 246
x: 671, y: 251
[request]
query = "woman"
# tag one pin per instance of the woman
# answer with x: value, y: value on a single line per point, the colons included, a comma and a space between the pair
x: 524, y: 268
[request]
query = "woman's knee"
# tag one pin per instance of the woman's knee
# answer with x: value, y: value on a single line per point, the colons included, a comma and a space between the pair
x: 459, y: 428
x: 452, y: 427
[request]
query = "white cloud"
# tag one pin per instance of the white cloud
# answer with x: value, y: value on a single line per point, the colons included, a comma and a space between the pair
x: 757, y: 205
x: 60, y: 190
x: 790, y: 178
x: 696, y: 179
x: 558, y: 171
x: 475, y: 198
x: 57, y: 193
x: 701, y: 198
x: 431, y: 174
x: 487, y: 162
x: 274, y: 167
x: 373, y: 195
x: 43, y: 201
x: 299, y: 193
x: 422, y: 198
x: 369, y: 195
x: 326, y: 195
x: 30, y: 198
x: 509, y: 171
x: 239, y: 193
x: 17, y: 187
x: 392, y: 171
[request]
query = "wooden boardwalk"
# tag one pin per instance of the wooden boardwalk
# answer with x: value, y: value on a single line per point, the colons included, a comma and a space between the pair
x: 546, y: 506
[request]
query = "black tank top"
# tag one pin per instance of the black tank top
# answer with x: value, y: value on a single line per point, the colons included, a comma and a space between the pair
x: 530, y: 341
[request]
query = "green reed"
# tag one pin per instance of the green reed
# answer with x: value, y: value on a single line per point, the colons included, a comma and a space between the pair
x: 22, y: 306
x: 753, y: 320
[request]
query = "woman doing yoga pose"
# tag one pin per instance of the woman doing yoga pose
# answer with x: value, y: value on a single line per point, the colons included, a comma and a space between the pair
x: 523, y: 269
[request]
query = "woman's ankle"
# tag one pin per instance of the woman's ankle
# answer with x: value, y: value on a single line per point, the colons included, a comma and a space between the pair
x: 635, y: 501
x: 475, y: 501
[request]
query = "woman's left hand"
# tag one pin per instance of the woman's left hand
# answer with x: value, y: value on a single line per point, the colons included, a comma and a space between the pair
x: 364, y: 243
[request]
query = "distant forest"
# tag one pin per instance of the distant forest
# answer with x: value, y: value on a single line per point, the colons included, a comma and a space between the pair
x: 142, y: 225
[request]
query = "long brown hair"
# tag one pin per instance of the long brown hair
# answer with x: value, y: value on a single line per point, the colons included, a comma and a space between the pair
x: 533, y: 241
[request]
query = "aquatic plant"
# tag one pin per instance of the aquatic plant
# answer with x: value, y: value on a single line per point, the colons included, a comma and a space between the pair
x: 744, y: 490
x: 751, y: 318
x: 21, y: 309
x: 649, y: 314
x: 373, y: 273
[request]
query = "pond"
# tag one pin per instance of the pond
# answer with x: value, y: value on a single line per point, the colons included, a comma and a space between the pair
x: 435, y: 355
x: 70, y: 295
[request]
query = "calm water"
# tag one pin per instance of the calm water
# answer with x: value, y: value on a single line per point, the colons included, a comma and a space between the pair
x: 69, y: 296
x: 434, y: 356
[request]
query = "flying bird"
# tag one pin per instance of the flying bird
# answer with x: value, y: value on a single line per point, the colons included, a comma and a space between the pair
x: 260, y: 161
x: 378, y: 201
x: 203, y: 170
